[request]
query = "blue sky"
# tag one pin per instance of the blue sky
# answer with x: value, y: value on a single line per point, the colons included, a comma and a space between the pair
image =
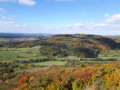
x: 100, y: 17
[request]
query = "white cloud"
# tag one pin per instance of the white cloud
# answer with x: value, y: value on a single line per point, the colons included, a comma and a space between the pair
x: 23, y: 28
x: 27, y: 2
x: 6, y: 23
x: 2, y: 10
x: 61, y: 29
x: 98, y: 29
x: 23, y: 2
x: 7, y: 17
x: 114, y: 19
x: 25, y: 25
x: 68, y: 26
x: 106, y: 15
x: 16, y: 25
x: 100, y: 25
x: 78, y: 25
x: 81, y: 26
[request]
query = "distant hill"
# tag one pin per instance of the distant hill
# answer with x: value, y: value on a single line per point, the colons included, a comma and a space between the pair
x: 113, y: 36
x: 14, y: 37
x: 80, y: 45
x: 24, y: 35
x: 88, y: 41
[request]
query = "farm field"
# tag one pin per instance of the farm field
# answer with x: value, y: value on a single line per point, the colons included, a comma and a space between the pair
x: 111, y: 54
x: 11, y: 54
x: 51, y: 63
x: 42, y: 66
x: 39, y: 66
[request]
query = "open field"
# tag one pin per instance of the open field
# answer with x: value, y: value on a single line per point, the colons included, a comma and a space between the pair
x: 11, y: 54
x: 51, y: 63
x: 111, y: 54
x: 34, y: 67
x: 34, y: 49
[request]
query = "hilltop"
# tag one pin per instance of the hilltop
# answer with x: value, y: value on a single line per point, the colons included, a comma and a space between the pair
x: 80, y: 45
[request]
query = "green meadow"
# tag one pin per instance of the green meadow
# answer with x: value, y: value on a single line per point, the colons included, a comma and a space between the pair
x: 111, y: 54
x: 11, y: 54
x: 51, y: 63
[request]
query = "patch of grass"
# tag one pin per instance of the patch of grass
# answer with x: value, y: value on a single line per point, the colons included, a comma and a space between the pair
x: 111, y: 54
x: 16, y: 69
x: 11, y: 54
x: 28, y: 58
x: 8, y: 55
x: 26, y: 55
x: 33, y: 49
x: 14, y: 49
x: 51, y: 63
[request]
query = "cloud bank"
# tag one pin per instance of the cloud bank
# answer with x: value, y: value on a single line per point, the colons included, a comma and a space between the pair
x: 27, y: 2
x: 23, y: 2
x: 114, y: 19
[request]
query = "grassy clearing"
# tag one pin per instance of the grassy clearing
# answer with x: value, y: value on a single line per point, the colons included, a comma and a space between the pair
x: 51, y: 63
x: 111, y: 54
x: 11, y: 54
x: 8, y: 55
x: 69, y: 58
x: 46, y: 65
x: 26, y: 55
x: 14, y: 49
x: 16, y: 69
x: 33, y: 49
x: 32, y: 57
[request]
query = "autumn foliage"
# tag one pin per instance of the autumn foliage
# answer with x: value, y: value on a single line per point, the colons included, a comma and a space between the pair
x: 70, y: 77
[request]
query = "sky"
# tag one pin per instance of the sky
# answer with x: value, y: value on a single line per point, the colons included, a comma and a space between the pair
x: 101, y: 17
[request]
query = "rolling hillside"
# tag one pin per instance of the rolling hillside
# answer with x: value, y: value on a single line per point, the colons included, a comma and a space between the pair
x: 80, y: 45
